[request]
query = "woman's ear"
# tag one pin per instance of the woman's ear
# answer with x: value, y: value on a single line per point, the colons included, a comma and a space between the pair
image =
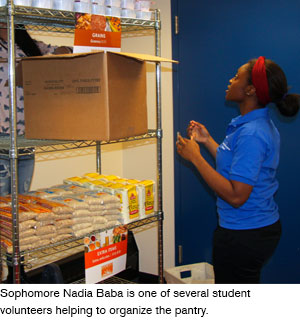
x: 250, y: 90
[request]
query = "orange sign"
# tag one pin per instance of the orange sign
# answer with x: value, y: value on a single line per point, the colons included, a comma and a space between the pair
x: 95, y: 32
x: 105, y: 254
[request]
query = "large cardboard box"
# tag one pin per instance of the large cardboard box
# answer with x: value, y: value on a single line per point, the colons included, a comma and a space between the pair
x: 87, y: 96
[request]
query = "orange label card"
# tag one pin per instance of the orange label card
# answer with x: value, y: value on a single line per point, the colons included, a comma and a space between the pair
x: 95, y: 32
x: 105, y: 254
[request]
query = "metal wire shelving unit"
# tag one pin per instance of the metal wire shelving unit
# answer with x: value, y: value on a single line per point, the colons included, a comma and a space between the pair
x: 64, y: 21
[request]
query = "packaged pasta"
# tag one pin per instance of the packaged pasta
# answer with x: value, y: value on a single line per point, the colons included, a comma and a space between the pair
x: 70, y: 189
x: 146, y: 197
x: 43, y: 223
x: 72, y: 180
x: 100, y: 226
x: 99, y: 219
x: 79, y: 213
x: 82, y: 219
x: 48, y: 192
x: 47, y: 229
x: 104, y: 207
x: 59, y: 224
x: 28, y: 240
x: 5, y: 200
x: 25, y: 225
x: 94, y: 198
x: 63, y: 231
x: 6, y: 214
x: 61, y: 237
x: 44, y: 205
x: 80, y: 226
x: 113, y: 217
x: 82, y: 232
x: 95, y: 176
x: 128, y: 197
x: 111, y: 178
x: 73, y: 202
x: 27, y: 233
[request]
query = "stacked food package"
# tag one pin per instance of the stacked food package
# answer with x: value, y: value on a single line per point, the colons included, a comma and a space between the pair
x: 37, y: 222
x: 75, y: 208
x: 136, y: 197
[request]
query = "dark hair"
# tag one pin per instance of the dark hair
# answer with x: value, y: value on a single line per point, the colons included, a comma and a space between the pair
x: 25, y: 42
x: 287, y: 104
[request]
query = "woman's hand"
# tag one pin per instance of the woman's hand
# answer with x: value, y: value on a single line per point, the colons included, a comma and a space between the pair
x: 62, y: 50
x: 198, y: 131
x: 188, y: 148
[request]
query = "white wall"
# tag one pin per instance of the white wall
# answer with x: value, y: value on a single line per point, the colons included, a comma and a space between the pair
x: 134, y: 159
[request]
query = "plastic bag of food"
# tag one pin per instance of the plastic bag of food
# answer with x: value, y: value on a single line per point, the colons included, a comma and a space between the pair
x: 81, y: 213
x: 82, y: 232
x: 63, y: 223
x: 62, y: 231
x: 24, y: 213
x: 25, y: 225
x: 80, y: 226
x: 47, y: 229
x: 96, y: 198
x: 73, y: 202
x: 99, y: 219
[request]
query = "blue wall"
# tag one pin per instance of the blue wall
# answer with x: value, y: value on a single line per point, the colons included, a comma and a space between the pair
x: 215, y: 38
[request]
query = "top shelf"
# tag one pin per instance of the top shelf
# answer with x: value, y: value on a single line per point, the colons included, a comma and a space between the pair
x: 64, y: 21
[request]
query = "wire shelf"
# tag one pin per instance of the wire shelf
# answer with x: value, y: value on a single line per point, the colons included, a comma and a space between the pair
x: 64, y: 21
x: 39, y: 19
x: 111, y: 280
x: 28, y: 146
x: 46, y: 254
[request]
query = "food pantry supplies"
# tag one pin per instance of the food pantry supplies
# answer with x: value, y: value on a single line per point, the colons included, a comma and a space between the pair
x: 36, y: 224
x: 146, y: 197
x: 136, y: 197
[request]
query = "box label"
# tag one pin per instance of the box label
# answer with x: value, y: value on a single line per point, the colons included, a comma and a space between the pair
x: 96, y: 32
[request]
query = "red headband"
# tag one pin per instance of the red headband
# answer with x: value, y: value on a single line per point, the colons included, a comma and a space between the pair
x: 260, y: 81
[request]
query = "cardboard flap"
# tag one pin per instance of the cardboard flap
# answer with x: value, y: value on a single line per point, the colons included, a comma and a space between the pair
x: 145, y: 57
x: 139, y: 57
x: 59, y: 56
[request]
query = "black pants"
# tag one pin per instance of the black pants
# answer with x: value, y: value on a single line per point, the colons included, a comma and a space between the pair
x: 239, y: 255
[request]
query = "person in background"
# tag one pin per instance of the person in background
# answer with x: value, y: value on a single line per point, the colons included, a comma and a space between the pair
x: 25, y: 46
x: 244, y: 181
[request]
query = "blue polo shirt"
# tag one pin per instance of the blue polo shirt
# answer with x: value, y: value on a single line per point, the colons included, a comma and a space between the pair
x: 250, y: 154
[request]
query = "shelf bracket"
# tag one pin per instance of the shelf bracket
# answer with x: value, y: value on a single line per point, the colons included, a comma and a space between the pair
x: 159, y: 133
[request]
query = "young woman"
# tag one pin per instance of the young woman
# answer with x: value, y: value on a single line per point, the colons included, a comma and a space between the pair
x: 245, y: 176
x: 25, y: 46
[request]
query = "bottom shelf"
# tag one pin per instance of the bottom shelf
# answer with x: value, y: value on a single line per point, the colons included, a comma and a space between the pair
x: 111, y: 280
x: 39, y: 257
x: 64, y: 263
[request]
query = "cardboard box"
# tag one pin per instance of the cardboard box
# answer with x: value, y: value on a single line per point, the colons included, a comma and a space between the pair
x: 87, y: 96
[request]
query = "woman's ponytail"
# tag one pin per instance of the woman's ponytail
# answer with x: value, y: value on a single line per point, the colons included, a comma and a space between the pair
x: 289, y: 105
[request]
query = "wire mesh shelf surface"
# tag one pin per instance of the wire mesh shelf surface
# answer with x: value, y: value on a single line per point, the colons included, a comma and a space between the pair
x: 26, y: 146
x: 66, y: 246
x: 64, y: 21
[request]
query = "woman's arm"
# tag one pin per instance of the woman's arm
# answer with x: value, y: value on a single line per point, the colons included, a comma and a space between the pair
x: 233, y: 192
x: 212, y: 146
x: 47, y: 49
